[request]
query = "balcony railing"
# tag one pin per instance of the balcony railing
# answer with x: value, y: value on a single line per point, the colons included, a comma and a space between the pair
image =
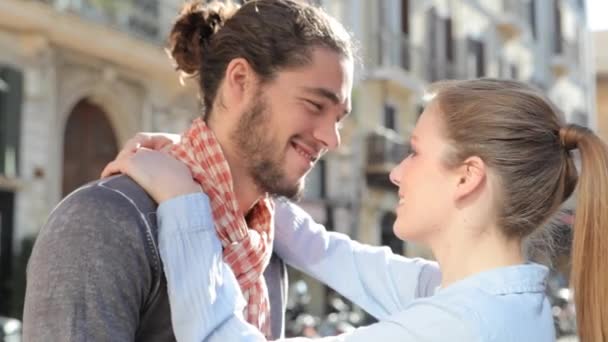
x: 437, y: 70
x: 571, y: 51
x: 394, y: 49
x: 145, y: 19
x: 385, y: 150
x: 566, y: 58
x: 518, y: 9
x: 513, y: 16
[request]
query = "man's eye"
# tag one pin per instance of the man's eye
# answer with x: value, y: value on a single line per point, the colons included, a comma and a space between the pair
x: 317, y: 106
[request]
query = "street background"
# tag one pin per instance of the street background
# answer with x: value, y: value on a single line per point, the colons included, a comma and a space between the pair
x: 80, y: 77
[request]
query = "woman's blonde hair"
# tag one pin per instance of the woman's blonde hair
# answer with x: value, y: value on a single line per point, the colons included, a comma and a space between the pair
x: 518, y: 133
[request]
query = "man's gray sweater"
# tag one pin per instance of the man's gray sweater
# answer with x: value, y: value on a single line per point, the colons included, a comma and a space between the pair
x: 95, y: 273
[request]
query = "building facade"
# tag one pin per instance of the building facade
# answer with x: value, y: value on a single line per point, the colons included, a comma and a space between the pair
x: 79, y: 77
x: 407, y: 44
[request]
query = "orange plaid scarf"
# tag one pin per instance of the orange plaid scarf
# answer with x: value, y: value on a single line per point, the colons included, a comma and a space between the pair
x: 247, y: 244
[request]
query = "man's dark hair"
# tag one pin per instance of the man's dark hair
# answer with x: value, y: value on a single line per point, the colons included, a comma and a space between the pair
x: 270, y: 34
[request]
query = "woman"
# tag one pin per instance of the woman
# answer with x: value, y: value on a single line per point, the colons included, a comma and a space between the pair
x: 490, y: 163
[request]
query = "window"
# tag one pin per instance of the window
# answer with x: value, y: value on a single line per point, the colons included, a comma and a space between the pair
x: 440, y: 46
x: 389, y: 117
x: 557, y: 22
x: 10, y: 117
x: 449, y: 40
x: 405, y: 17
x: 434, y: 43
x: 476, y: 57
x: 532, y: 13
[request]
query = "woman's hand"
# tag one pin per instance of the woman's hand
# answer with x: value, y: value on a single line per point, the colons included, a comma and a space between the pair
x: 145, y: 160
x: 153, y: 141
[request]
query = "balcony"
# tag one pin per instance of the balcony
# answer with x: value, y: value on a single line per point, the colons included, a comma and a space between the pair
x: 149, y: 20
x: 385, y: 150
x: 512, y: 17
x: 437, y: 70
x: 565, y: 59
x: 394, y: 50
x: 559, y: 66
x: 394, y: 59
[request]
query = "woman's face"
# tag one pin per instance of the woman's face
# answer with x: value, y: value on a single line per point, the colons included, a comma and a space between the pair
x: 425, y: 184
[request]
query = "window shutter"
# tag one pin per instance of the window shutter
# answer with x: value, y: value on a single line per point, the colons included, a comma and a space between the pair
x: 11, y: 98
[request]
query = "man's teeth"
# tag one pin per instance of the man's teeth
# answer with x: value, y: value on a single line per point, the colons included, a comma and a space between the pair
x: 304, y: 154
x: 401, y: 201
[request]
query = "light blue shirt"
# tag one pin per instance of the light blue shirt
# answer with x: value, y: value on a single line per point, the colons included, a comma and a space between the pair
x: 501, y: 305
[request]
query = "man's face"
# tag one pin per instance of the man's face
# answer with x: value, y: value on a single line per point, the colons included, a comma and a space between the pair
x: 293, y: 121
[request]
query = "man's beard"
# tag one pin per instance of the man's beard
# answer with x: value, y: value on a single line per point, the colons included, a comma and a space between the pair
x: 259, y: 152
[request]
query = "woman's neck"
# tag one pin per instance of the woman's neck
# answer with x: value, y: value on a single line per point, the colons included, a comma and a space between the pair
x: 461, y: 255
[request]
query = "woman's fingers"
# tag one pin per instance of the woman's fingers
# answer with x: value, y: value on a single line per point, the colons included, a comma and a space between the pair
x: 114, y: 167
x: 153, y: 141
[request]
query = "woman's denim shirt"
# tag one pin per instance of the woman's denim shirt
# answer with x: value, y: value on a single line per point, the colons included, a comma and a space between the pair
x: 501, y: 305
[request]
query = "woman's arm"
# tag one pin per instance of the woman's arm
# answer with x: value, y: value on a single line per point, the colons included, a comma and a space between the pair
x: 205, y: 298
x: 207, y: 304
x: 376, y: 279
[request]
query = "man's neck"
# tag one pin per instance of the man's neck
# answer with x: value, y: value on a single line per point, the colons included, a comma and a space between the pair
x: 245, y: 190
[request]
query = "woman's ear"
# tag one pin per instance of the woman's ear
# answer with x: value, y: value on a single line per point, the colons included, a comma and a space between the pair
x: 471, y: 177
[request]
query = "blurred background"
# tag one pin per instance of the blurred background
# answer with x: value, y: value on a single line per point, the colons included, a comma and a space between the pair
x: 79, y: 77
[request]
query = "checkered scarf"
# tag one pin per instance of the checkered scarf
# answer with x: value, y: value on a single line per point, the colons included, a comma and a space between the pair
x: 247, y: 243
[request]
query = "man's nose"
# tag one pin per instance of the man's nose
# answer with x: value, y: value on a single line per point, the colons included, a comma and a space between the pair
x: 328, y: 134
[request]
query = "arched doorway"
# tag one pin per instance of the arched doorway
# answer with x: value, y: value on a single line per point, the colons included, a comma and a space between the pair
x: 388, y: 236
x: 89, y: 144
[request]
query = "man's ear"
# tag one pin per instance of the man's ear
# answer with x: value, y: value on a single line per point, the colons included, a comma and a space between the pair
x: 239, y: 83
x: 472, y: 176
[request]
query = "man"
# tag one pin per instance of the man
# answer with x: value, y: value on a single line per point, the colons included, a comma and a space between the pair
x: 275, y: 78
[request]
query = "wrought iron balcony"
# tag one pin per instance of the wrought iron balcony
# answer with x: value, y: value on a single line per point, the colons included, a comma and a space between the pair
x: 393, y: 50
x: 566, y: 58
x: 145, y: 19
x: 515, y: 16
x: 512, y: 17
x: 437, y: 70
x: 385, y: 150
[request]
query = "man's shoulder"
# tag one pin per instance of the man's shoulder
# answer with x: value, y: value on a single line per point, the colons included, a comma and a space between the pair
x: 114, y: 191
x: 112, y: 208
x: 95, y: 263
x: 109, y: 216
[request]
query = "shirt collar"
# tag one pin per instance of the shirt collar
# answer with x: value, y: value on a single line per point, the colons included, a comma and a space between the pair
x: 529, y: 277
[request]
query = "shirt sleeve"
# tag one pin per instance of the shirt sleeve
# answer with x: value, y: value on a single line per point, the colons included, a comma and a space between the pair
x: 426, y: 322
x: 204, y: 295
x: 379, y: 281
x: 207, y: 305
